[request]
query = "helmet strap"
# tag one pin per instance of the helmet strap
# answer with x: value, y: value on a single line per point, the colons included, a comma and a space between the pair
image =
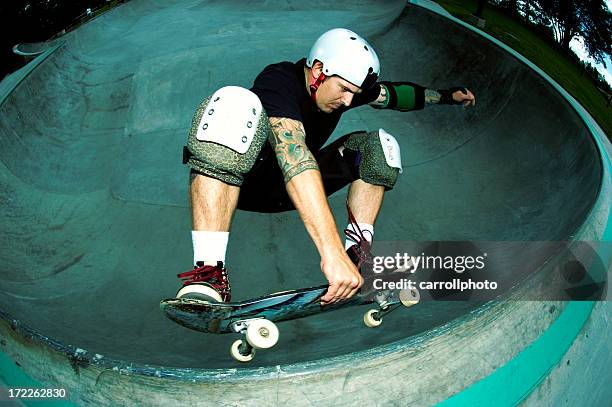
x: 314, y: 86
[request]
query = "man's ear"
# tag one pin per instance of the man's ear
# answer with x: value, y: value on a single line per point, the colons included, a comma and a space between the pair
x: 317, y: 68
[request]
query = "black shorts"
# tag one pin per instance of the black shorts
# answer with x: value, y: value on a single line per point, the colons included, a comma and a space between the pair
x: 263, y: 189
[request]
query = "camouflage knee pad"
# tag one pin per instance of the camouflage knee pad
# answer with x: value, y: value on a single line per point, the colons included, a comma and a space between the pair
x: 227, y: 133
x: 380, y: 162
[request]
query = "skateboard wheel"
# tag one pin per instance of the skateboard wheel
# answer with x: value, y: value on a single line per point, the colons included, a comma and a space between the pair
x: 262, y: 334
x: 408, y: 298
x: 199, y: 291
x: 236, y: 354
x: 371, y: 320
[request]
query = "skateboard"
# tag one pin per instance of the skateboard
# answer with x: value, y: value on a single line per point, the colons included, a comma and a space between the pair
x: 255, y: 319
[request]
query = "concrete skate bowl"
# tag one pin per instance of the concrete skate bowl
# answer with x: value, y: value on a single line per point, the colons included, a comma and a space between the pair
x: 96, y: 223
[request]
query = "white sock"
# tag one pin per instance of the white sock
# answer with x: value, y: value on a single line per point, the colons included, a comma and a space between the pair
x: 209, y: 247
x: 366, y: 229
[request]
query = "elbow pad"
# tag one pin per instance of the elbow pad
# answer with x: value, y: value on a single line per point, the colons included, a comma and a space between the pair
x: 404, y: 96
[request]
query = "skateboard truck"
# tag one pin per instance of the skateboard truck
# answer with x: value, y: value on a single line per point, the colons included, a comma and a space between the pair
x: 386, y: 305
x: 258, y: 333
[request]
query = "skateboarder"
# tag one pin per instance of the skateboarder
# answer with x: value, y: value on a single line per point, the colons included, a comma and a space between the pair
x: 260, y: 150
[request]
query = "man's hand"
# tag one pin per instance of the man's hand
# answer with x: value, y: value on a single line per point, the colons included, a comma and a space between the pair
x: 465, y: 97
x: 343, y: 277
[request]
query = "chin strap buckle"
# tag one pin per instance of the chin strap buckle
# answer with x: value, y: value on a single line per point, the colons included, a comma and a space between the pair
x: 314, y: 86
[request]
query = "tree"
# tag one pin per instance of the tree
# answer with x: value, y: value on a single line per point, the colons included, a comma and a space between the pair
x: 597, y: 31
x: 589, y: 20
x: 480, y: 8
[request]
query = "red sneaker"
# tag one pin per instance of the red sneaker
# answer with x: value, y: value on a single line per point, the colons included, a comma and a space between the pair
x: 360, y: 252
x: 361, y: 256
x: 205, y: 282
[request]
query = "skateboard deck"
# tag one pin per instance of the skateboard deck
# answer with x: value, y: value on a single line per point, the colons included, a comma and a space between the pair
x: 255, y: 318
x: 217, y: 318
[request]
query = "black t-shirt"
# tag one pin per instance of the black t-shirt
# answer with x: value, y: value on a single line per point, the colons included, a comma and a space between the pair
x: 281, y: 88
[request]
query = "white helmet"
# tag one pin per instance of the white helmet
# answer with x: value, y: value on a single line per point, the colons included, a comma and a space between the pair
x: 346, y: 54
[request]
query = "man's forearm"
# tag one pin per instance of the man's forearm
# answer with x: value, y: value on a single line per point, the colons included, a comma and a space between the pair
x: 308, y: 195
x: 432, y: 97
x: 304, y: 184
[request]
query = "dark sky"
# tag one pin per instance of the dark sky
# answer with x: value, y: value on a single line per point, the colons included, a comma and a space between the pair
x: 36, y: 21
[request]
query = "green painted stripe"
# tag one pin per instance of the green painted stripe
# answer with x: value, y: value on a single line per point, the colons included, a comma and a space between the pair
x: 513, y: 382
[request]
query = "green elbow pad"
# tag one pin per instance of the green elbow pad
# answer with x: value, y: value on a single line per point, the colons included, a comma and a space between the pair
x: 404, y: 96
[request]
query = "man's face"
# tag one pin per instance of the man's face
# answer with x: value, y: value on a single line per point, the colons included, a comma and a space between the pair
x: 334, y: 93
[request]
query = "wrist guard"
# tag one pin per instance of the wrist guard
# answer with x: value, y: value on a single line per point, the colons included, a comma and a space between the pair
x: 446, y: 95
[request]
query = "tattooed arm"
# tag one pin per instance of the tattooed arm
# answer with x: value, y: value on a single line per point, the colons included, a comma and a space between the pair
x: 382, y: 100
x: 288, y: 139
x: 432, y: 97
x: 305, y: 188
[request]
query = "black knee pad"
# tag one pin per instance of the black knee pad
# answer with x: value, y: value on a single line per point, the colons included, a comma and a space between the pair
x: 380, y: 162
